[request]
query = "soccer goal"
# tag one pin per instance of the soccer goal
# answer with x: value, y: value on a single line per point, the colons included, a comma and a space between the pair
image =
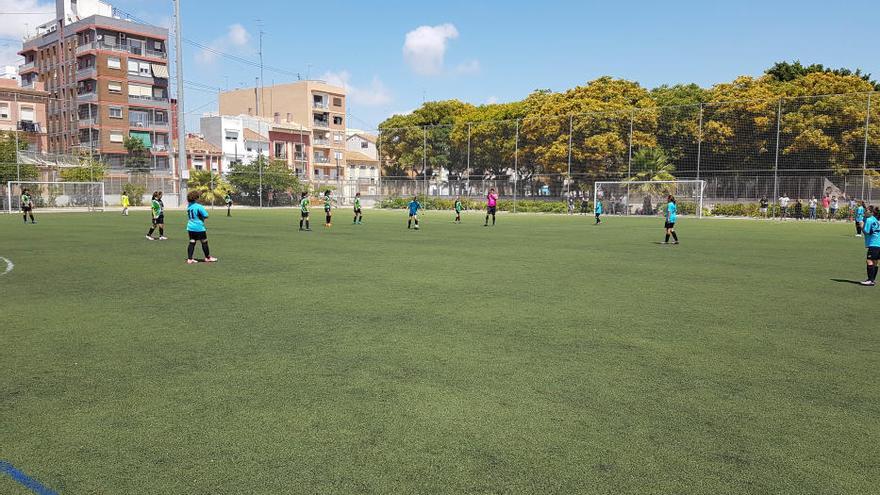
x: 649, y: 197
x: 85, y: 196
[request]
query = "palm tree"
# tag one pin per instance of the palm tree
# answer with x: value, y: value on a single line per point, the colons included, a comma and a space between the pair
x: 649, y: 165
x: 202, y: 180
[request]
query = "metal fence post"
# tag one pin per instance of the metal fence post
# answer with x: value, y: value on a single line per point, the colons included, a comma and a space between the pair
x: 699, y: 141
x: 260, y: 161
x: 515, y: 165
x: 632, y: 115
x: 379, y: 156
x: 865, y: 149
x: 425, y: 160
x: 776, y: 159
x: 570, y: 129
x: 17, y: 163
x: 469, y: 159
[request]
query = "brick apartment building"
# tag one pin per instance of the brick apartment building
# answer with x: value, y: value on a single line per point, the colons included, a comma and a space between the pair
x: 23, y: 110
x: 107, y: 79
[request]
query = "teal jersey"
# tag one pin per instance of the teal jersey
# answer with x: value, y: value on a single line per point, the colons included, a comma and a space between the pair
x: 458, y: 206
x: 196, y: 215
x: 872, y: 232
x: 671, y: 212
x: 860, y: 214
x: 414, y: 207
x: 598, y: 208
x: 304, y: 205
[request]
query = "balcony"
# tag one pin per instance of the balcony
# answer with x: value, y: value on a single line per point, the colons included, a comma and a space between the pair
x: 324, y: 124
x: 99, y: 45
x: 26, y: 67
x: 300, y: 157
x: 322, y: 159
x: 142, y: 100
x: 90, y: 144
x: 322, y: 142
x: 320, y: 105
x: 88, y: 121
x: 86, y: 97
x: 148, y: 124
x: 86, y: 73
x: 159, y: 148
x: 28, y: 126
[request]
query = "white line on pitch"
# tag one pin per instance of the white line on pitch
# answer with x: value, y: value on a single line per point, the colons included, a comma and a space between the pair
x: 9, y: 265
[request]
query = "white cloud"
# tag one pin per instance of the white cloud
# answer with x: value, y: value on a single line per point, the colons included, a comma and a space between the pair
x: 374, y: 95
x: 492, y: 100
x: 236, y: 37
x: 16, y: 26
x: 425, y: 48
x: 469, y: 67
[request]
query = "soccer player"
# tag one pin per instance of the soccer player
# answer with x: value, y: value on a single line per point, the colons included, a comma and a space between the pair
x: 195, y: 226
x: 228, y: 200
x: 328, y: 209
x: 414, y: 208
x: 598, y: 210
x: 860, y: 218
x: 872, y: 243
x: 158, y: 210
x: 304, y: 212
x: 458, y: 207
x: 358, y: 215
x: 671, y: 215
x: 125, y: 204
x: 491, y: 206
x: 764, y: 204
x: 27, y: 206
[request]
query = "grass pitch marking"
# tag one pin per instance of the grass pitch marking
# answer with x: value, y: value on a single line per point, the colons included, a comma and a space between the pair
x: 9, y: 265
x: 23, y: 479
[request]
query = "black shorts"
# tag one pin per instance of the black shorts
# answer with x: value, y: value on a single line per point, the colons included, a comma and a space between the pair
x: 304, y: 214
x: 357, y: 211
x: 159, y: 220
x: 491, y: 210
x: 197, y: 236
x: 27, y: 209
x: 326, y: 210
x: 670, y: 225
x: 229, y: 204
x: 874, y: 253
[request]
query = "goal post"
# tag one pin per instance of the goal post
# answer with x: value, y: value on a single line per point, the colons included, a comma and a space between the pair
x: 80, y: 196
x: 647, y: 197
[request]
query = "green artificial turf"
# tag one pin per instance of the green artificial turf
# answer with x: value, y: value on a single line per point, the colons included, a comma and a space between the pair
x: 544, y: 355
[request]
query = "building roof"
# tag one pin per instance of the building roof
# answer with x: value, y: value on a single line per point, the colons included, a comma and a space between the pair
x: 197, y: 144
x: 367, y: 137
x: 355, y: 156
x: 250, y: 135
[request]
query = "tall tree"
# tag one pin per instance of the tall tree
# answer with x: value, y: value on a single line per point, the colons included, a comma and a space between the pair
x: 138, y: 159
x: 9, y: 171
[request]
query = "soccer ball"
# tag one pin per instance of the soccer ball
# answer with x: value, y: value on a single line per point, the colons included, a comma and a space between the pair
x: 417, y: 227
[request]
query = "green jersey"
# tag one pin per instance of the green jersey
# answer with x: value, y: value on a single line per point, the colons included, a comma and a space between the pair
x: 327, y: 205
x: 26, y: 200
x: 357, y: 203
x: 156, y: 205
x: 458, y: 206
x: 304, y: 205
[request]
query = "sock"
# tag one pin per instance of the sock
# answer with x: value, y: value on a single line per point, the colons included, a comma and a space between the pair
x: 487, y: 219
x: 675, y: 236
x: 32, y: 217
x: 493, y: 219
x: 417, y: 222
x: 409, y: 223
x: 161, y: 231
x: 300, y: 224
x: 873, y: 273
x: 328, y: 218
x: 190, y: 249
x: 205, y: 249
x: 307, y: 224
x: 24, y: 217
x: 355, y: 219
x: 150, y: 233
x: 667, y: 237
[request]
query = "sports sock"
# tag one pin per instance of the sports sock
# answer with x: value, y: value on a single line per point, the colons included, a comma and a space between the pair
x: 307, y: 225
x: 487, y: 219
x: 24, y: 217
x: 409, y: 223
x: 161, y: 231
x: 190, y: 249
x: 300, y: 224
x: 150, y: 233
x: 493, y: 219
x: 328, y: 218
x: 417, y: 222
x: 205, y: 249
x: 667, y: 237
x: 32, y: 217
x: 675, y: 236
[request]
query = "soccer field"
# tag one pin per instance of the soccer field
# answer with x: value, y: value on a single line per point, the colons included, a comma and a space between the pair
x: 544, y: 355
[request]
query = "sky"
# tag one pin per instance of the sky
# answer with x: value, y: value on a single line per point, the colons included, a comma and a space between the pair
x: 393, y: 55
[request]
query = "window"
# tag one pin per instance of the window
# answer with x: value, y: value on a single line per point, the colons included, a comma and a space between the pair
x: 145, y: 69
x: 133, y: 66
x: 157, y: 45
x: 114, y: 63
x: 337, y: 120
x: 26, y: 114
x: 364, y: 145
x: 115, y: 112
x: 114, y: 87
x: 338, y: 155
x: 280, y: 150
x: 337, y: 137
x: 337, y: 102
x: 4, y: 111
x: 140, y: 91
x: 115, y: 136
x: 232, y: 136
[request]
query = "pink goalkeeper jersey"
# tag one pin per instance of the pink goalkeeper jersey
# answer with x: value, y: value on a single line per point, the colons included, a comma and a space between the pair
x: 492, y: 199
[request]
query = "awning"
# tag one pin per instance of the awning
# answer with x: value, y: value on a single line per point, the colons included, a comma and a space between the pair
x: 144, y: 137
x: 160, y: 71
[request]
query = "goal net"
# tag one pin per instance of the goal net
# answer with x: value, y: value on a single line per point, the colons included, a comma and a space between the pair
x: 649, y: 197
x: 85, y: 196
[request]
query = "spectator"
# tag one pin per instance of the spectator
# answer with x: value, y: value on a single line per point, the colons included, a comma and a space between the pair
x: 798, y: 210
x: 814, y: 203
x: 826, y: 203
x: 783, y: 205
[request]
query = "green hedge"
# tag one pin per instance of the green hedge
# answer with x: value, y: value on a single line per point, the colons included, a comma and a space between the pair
x: 754, y: 210
x: 530, y: 206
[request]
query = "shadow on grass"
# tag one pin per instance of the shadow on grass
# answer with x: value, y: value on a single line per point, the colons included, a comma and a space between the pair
x: 845, y: 281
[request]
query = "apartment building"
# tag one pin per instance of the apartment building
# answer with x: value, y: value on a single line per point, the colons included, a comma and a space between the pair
x: 363, y: 143
x: 107, y: 79
x: 319, y: 107
x: 23, y: 110
x: 202, y: 155
x: 242, y: 138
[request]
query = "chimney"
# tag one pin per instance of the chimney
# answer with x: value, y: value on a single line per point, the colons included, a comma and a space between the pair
x: 277, y: 118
